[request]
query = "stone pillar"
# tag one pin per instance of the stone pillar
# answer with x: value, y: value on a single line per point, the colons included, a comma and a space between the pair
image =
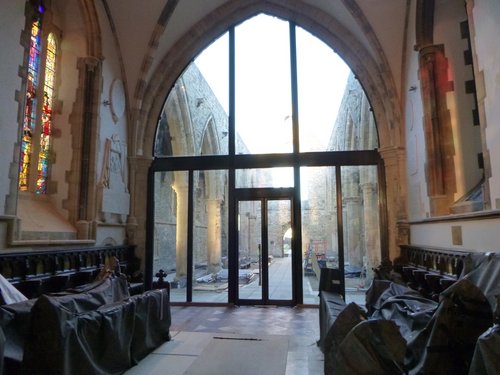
x: 352, y: 225
x: 214, y: 235
x: 372, y: 225
x: 181, y: 230
x: 396, y: 194
x: 136, y: 221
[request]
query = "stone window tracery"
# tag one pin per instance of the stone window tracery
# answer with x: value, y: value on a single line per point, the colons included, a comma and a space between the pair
x: 36, y: 141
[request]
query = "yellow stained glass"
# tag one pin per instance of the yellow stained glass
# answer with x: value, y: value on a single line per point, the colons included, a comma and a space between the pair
x: 45, y: 135
x: 30, y: 106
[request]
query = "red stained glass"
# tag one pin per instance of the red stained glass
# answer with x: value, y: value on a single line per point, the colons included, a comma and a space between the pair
x: 31, y: 104
x: 45, y: 134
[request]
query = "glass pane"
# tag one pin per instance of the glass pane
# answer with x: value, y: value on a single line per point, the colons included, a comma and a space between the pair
x: 250, y: 249
x: 194, y: 120
x: 279, y: 232
x: 210, y: 256
x: 355, y: 127
x: 262, y: 83
x: 264, y: 177
x: 321, y: 78
x: 334, y: 112
x: 213, y: 64
x: 361, y: 228
x: 170, y: 230
x: 319, y: 226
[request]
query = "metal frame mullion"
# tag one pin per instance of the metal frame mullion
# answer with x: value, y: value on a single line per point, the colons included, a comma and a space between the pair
x: 294, y: 89
x: 340, y: 227
x: 264, y: 255
x: 306, y: 159
x: 150, y: 218
x: 190, y: 233
x: 232, y: 93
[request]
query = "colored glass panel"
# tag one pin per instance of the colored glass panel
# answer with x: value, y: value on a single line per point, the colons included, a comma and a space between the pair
x: 45, y: 134
x: 31, y: 104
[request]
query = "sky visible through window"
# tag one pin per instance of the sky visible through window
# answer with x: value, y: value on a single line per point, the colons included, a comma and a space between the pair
x: 260, y: 43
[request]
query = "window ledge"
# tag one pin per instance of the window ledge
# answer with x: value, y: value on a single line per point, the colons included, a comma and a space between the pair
x: 469, y: 216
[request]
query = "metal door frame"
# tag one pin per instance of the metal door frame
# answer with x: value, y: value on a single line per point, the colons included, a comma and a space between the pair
x: 264, y: 195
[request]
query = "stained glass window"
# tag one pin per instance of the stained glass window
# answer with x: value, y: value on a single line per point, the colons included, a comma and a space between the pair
x: 48, y: 97
x: 31, y: 104
x: 37, y: 124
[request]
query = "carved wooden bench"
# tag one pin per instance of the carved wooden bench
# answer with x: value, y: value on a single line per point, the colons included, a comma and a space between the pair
x: 46, y: 271
x: 430, y: 270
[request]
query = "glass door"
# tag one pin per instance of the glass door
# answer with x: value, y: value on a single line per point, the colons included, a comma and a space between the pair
x: 264, y: 239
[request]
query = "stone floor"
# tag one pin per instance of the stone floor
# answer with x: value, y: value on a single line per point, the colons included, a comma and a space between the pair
x: 193, y: 327
x: 280, y: 287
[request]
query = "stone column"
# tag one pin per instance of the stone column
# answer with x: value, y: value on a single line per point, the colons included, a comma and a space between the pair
x: 397, y: 219
x: 138, y: 187
x: 181, y: 230
x: 352, y: 225
x: 372, y: 225
x: 214, y: 235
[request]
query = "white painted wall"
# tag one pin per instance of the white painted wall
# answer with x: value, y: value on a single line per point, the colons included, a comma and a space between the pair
x: 478, y: 234
x: 11, y: 57
x: 72, y: 46
x: 418, y: 202
x: 109, y: 126
x: 68, y: 19
x: 486, y: 14
x: 466, y: 137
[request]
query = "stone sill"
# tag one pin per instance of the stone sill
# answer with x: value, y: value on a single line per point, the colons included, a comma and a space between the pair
x: 470, y: 216
x: 50, y: 242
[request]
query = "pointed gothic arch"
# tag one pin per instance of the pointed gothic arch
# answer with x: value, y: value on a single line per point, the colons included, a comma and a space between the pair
x: 371, y: 71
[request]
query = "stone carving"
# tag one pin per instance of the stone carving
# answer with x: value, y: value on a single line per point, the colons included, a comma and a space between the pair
x: 115, y: 198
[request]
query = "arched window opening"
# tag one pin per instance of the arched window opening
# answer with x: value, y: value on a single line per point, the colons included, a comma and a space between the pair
x: 276, y: 113
x: 263, y: 96
x: 30, y: 111
x: 47, y: 109
x: 39, y: 109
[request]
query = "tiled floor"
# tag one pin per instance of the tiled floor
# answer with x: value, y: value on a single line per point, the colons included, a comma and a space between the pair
x: 193, y: 328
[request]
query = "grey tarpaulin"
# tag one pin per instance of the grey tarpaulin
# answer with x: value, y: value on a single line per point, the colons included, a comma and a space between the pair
x: 15, y: 318
x: 379, y: 350
x: 345, y: 322
x: 66, y: 340
x: 2, y: 349
x: 406, y: 307
x: 92, y: 342
x: 454, y: 336
x: 151, y: 324
x: 48, y: 312
x: 485, y: 274
x: 377, y: 287
x: 15, y: 321
x: 446, y: 344
x: 486, y: 359
x: 330, y: 306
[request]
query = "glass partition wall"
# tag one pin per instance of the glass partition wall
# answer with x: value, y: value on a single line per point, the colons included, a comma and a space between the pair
x: 265, y: 172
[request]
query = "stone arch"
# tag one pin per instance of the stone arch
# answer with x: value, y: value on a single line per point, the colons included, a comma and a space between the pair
x: 82, y: 177
x: 210, y: 143
x: 374, y: 75
x: 181, y: 128
x: 89, y: 15
x: 371, y: 69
